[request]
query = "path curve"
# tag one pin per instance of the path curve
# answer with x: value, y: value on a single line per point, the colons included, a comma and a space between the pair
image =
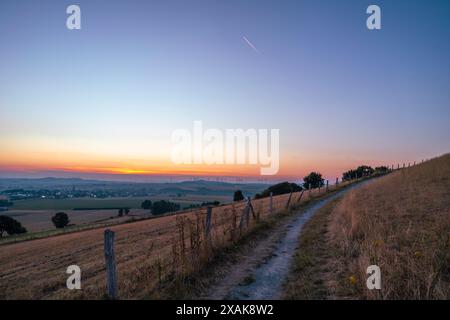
x: 269, y: 277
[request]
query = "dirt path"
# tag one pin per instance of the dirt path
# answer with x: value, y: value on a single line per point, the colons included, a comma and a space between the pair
x: 260, y: 271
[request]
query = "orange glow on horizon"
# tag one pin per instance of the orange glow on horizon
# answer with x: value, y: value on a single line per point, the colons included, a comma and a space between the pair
x: 292, y: 165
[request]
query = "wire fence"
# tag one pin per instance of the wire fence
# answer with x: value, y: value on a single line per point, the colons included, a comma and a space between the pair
x: 180, y: 244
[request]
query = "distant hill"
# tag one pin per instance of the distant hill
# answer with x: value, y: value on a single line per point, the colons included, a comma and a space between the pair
x: 200, y: 187
x: 7, y: 183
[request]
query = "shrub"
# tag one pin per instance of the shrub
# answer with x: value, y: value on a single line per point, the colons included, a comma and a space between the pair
x: 314, y: 179
x: 360, y: 172
x: 280, y: 188
x: 147, y: 204
x: 238, y: 196
x: 60, y: 220
x: 163, y: 206
x: 10, y: 226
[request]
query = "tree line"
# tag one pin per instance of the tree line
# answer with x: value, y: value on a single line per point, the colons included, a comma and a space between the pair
x: 314, y: 180
x: 160, y: 207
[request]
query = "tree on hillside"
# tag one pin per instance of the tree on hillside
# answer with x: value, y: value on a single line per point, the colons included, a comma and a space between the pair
x: 163, y: 206
x: 360, y: 172
x: 238, y: 196
x: 126, y: 211
x: 147, y: 204
x: 382, y: 170
x: 60, y: 220
x: 364, y: 171
x: 349, y: 175
x: 280, y: 188
x: 314, y: 179
x: 10, y: 226
x: 120, y: 212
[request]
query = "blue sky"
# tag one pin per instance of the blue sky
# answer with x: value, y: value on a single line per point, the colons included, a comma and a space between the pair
x: 137, y: 70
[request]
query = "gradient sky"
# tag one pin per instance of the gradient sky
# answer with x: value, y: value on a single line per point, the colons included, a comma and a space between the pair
x: 106, y: 98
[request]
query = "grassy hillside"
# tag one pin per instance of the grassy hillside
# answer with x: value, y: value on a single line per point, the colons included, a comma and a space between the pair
x: 400, y: 222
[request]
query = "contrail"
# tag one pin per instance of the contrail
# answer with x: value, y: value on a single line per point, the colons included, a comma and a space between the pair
x: 250, y: 44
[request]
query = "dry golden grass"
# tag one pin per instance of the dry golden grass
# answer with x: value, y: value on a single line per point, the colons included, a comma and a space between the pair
x: 148, y: 253
x: 401, y: 223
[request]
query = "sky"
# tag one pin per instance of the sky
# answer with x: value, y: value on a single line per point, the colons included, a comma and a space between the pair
x: 104, y: 100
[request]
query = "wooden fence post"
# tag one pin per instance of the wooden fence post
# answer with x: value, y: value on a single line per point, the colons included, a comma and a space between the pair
x: 271, y: 203
x: 309, y: 188
x: 327, y: 187
x: 250, y: 206
x: 301, y: 194
x: 245, y: 217
x: 110, y: 261
x: 289, y: 201
x: 337, y: 182
x: 208, y: 225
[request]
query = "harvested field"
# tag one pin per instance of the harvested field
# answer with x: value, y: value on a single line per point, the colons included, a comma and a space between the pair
x: 148, y: 253
x: 40, y: 220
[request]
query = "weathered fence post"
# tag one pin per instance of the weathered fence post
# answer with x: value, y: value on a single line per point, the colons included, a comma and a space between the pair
x: 398, y: 166
x: 271, y: 203
x: 301, y: 194
x: 245, y: 217
x: 337, y: 182
x: 208, y: 225
x: 327, y: 187
x: 289, y: 201
x: 309, y: 188
x: 250, y: 206
x: 110, y: 261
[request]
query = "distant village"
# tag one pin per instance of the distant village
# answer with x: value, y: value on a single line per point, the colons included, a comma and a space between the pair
x: 23, y: 194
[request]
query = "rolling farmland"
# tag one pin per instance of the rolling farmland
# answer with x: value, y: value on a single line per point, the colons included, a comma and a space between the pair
x: 35, y: 214
x: 147, y: 252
